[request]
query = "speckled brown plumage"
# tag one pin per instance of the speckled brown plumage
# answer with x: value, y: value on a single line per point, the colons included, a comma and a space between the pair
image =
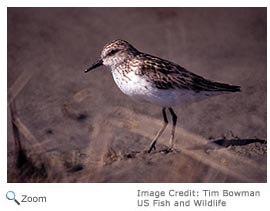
x: 168, y: 75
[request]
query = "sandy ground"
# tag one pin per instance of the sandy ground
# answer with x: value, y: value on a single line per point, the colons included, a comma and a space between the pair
x: 68, y: 126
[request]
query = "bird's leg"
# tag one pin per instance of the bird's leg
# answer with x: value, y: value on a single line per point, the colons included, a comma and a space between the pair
x: 174, y: 119
x: 165, y: 123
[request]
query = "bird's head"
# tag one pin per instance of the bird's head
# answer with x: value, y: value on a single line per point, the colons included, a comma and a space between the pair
x: 114, y: 53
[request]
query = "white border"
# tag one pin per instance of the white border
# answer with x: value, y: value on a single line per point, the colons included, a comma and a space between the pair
x: 137, y: 3
x: 3, y: 93
x: 106, y: 196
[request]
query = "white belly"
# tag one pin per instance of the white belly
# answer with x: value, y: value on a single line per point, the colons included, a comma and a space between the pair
x: 140, y: 88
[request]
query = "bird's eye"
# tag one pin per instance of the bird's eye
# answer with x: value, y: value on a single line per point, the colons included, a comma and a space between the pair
x: 112, y: 52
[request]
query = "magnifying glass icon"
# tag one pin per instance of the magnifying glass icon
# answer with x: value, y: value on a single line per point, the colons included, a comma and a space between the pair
x: 11, y: 196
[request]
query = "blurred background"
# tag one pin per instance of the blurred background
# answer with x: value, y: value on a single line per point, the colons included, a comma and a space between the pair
x: 68, y: 126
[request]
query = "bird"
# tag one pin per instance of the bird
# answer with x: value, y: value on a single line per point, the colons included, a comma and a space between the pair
x: 157, y: 81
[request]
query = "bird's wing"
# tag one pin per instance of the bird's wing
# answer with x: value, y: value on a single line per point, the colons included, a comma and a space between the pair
x: 168, y: 75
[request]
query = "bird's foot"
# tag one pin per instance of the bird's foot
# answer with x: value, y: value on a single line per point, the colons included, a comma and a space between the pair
x: 151, y: 148
x: 169, y: 150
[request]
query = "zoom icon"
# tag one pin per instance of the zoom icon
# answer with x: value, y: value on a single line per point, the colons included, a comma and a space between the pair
x: 11, y: 196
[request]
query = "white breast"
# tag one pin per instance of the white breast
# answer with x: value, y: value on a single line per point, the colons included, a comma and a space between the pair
x: 132, y: 84
x: 141, y: 88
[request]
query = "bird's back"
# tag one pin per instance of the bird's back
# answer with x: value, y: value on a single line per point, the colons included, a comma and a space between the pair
x: 168, y: 75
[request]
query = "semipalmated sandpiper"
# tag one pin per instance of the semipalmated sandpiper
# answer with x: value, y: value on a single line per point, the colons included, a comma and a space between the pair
x: 157, y: 81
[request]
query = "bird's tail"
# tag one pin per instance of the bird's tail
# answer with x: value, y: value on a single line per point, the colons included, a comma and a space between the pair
x: 227, y: 87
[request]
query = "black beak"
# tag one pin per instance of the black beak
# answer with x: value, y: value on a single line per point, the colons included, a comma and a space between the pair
x: 95, y: 65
